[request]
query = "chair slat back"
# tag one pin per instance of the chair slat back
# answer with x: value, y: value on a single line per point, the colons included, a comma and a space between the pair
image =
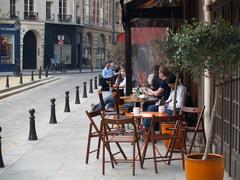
x: 116, y: 101
x: 195, y: 110
x: 192, y: 109
x: 118, y: 120
x: 92, y: 115
x: 101, y: 100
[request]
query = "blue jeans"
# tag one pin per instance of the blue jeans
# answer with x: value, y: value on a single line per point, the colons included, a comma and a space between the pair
x: 169, y: 112
x: 108, y: 101
x: 147, y: 121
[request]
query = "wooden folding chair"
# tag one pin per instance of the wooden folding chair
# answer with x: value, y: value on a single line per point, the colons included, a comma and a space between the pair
x: 95, y: 131
x: 155, y: 137
x: 110, y: 137
x: 105, y: 111
x: 199, y: 128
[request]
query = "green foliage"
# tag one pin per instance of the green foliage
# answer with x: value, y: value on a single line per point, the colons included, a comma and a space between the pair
x: 202, y: 46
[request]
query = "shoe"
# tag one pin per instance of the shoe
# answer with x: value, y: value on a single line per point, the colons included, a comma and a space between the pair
x: 93, y: 107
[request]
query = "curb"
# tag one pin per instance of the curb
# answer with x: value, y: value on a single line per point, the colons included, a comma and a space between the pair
x: 23, y: 85
x: 28, y: 86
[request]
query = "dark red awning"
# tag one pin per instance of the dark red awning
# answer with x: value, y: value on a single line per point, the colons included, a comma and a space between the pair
x: 144, y: 35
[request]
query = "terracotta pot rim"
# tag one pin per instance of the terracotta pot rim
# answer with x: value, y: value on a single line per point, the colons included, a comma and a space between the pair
x: 189, y: 157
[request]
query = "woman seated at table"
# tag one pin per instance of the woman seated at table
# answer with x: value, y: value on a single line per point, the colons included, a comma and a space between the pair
x: 109, y: 100
x: 153, y: 78
x: 180, y: 99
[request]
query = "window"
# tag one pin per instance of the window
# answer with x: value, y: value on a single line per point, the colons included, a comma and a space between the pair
x: 13, y: 8
x: 101, y: 12
x: 48, y: 10
x: 62, y: 7
x: 28, y: 6
x: 86, y: 11
x: 110, y: 13
x: 117, y: 13
x: 100, y: 51
x: 29, y: 10
x: 87, y: 51
x: 7, y: 49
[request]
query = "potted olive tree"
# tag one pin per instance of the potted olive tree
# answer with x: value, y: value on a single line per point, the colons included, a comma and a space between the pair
x: 211, y: 50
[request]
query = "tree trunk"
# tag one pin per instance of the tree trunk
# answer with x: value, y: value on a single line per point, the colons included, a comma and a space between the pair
x: 211, y: 124
x: 175, y: 94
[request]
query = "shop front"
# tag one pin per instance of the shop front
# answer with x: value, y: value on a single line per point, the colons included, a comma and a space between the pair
x: 62, y: 45
x: 9, y: 48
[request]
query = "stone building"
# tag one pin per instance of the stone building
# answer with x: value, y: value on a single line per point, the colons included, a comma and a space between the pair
x: 78, y: 33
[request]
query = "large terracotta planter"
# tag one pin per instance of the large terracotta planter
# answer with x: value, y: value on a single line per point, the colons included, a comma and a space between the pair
x: 165, y: 130
x: 198, y: 169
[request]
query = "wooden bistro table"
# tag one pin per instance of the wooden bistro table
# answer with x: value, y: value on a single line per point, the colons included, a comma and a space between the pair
x: 135, y: 100
x: 138, y: 117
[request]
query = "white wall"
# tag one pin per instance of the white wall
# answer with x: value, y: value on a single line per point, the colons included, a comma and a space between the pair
x: 40, y: 7
x: 4, y: 7
x: 20, y: 8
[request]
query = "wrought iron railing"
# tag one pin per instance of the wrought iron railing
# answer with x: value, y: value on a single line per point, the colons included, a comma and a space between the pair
x: 29, y: 15
x: 64, y: 17
x: 14, y: 15
x: 50, y: 17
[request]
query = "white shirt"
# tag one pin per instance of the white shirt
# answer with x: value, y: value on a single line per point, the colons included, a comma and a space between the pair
x: 181, y: 96
x: 122, y: 84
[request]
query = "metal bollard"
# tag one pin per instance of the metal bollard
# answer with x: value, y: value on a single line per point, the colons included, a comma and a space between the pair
x: 91, y: 86
x: 40, y: 73
x: 77, y: 100
x: 32, y: 131
x: 99, y: 79
x: 85, y: 90
x: 21, y: 79
x: 53, y: 119
x: 32, y: 76
x: 67, y: 108
x: 1, y: 158
x: 46, y: 72
x: 95, y: 83
x: 7, y: 82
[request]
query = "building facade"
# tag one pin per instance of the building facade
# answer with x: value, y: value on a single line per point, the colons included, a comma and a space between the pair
x: 78, y: 33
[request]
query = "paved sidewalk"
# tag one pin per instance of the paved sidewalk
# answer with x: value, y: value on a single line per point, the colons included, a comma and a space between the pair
x: 60, y: 155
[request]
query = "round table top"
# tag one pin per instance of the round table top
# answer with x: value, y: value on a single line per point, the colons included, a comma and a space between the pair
x: 147, y: 99
x: 146, y: 114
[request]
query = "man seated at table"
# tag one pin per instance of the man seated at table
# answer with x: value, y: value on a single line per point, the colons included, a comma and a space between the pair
x: 161, y: 93
x: 109, y: 100
x: 108, y: 75
x: 180, y: 99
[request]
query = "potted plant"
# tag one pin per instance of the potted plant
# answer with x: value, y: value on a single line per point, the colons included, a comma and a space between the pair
x: 211, y: 50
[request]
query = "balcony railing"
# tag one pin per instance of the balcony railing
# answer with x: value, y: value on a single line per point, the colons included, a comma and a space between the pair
x: 50, y: 17
x: 30, y: 15
x: 78, y: 20
x: 14, y: 15
x: 101, y: 22
x: 64, y: 17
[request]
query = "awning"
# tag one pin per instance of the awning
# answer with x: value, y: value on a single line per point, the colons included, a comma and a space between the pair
x: 144, y: 35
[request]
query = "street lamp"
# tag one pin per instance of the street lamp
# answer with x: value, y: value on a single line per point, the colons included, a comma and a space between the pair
x: 17, y: 25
